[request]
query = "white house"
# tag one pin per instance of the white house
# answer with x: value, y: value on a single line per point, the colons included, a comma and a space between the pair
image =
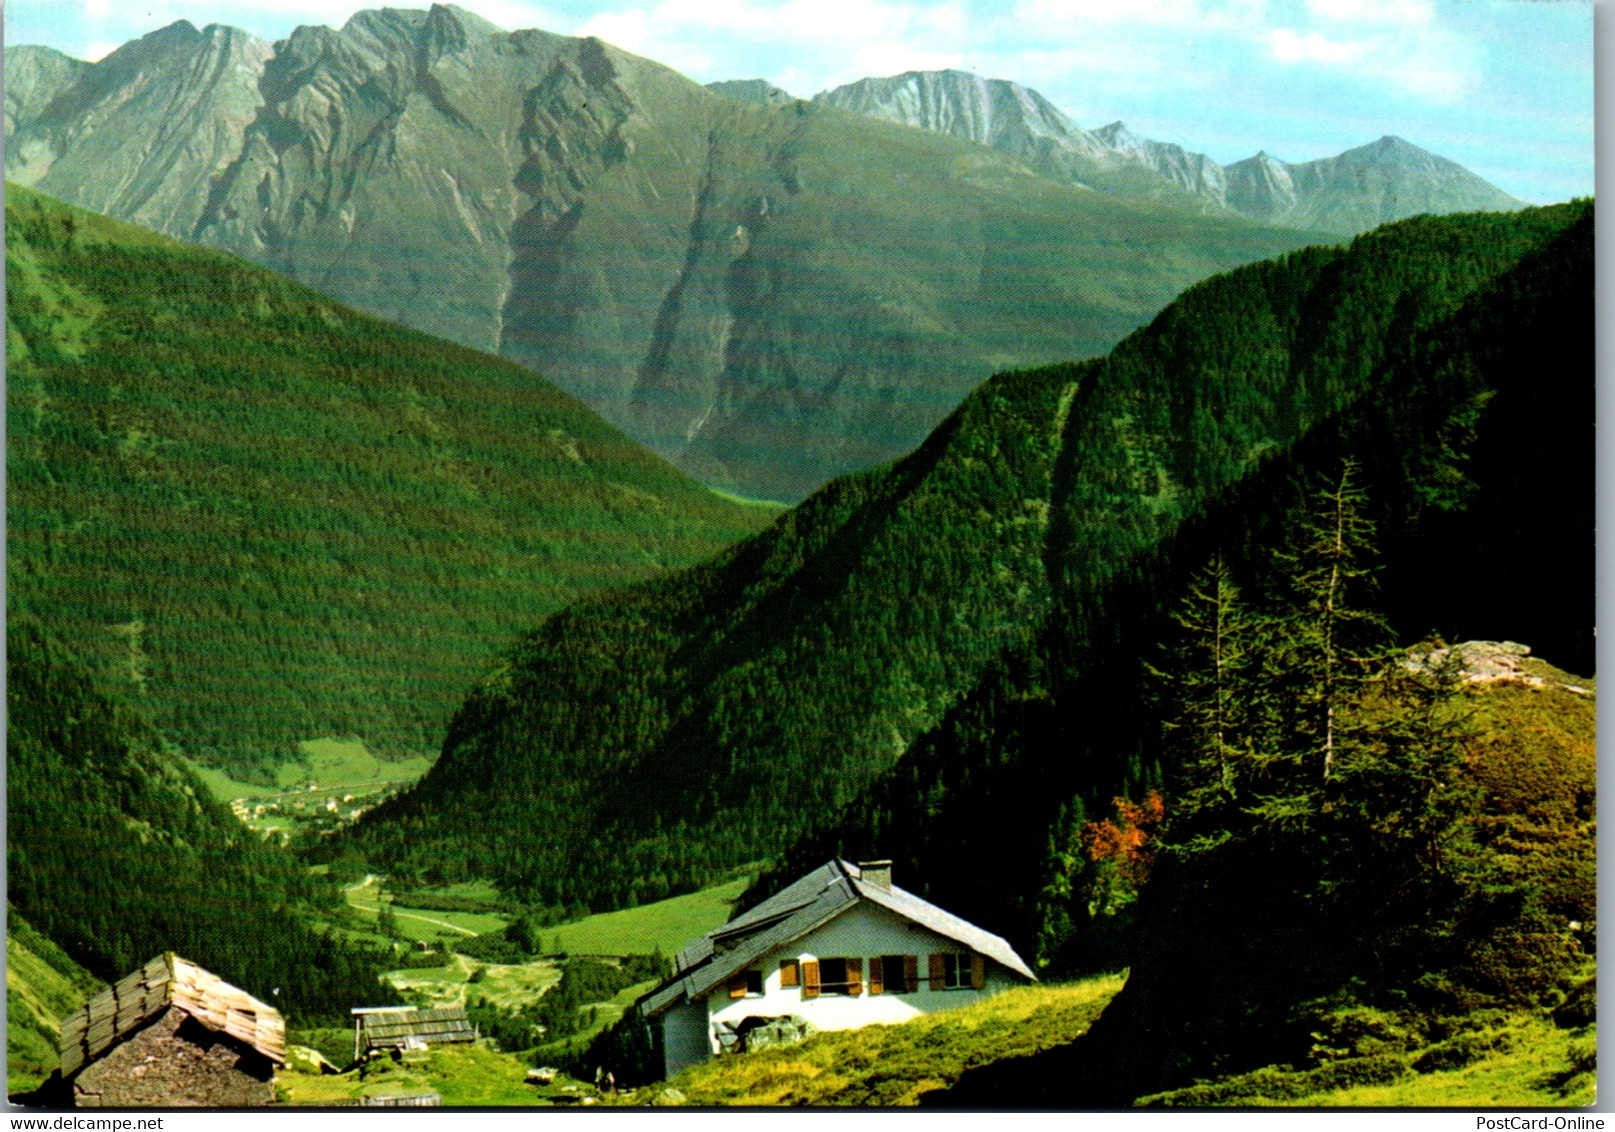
x: 843, y: 947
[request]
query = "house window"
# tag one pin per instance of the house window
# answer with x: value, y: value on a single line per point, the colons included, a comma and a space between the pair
x: 956, y: 970
x: 832, y: 976
x: 894, y: 974
x: 745, y: 983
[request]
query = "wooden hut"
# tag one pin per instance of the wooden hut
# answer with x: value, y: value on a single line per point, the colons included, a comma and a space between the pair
x: 172, y: 1034
x: 407, y: 1027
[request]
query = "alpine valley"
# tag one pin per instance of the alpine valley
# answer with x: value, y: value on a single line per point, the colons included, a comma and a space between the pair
x: 1186, y: 581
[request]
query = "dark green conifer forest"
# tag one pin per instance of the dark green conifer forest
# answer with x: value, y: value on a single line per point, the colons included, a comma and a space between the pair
x: 944, y: 660
x: 275, y: 519
x: 117, y: 854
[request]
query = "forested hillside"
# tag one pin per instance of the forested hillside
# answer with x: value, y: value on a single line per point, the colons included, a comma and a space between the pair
x: 1457, y: 417
x: 116, y: 854
x: 275, y: 519
x: 940, y: 661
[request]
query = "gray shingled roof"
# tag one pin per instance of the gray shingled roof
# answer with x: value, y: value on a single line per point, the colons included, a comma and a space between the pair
x: 395, y: 1027
x: 818, y: 897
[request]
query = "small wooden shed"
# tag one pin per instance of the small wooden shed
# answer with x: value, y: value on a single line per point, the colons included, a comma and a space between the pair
x: 172, y: 1034
x: 408, y: 1027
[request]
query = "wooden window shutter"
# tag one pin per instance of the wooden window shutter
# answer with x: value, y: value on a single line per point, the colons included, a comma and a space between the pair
x: 855, y: 976
x: 810, y: 978
x: 978, y: 971
x: 911, y: 974
x: 737, y: 985
x: 788, y: 973
x: 877, y: 975
x: 939, y: 981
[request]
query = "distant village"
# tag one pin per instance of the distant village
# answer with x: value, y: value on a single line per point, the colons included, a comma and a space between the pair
x: 311, y: 808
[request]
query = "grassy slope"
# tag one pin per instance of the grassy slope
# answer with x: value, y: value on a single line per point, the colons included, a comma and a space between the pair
x: 470, y: 1076
x: 1514, y: 1061
x: 896, y: 1065
x: 664, y: 926
x: 277, y: 520
x: 1520, y: 1061
x: 43, y: 985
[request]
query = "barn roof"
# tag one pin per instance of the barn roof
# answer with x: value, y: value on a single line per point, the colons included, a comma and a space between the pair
x: 147, y: 991
x: 395, y: 1027
x: 794, y: 911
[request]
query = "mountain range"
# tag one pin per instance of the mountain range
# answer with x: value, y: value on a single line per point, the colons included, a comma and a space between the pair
x: 767, y: 292
x: 1352, y: 192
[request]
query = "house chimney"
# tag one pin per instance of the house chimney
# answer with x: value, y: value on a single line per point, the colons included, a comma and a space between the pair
x: 877, y: 873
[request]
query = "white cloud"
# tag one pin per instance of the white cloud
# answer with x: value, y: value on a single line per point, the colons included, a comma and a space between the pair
x: 882, y: 59
x: 512, y: 15
x: 95, y: 52
x: 1426, y: 62
x: 629, y: 29
x: 1290, y: 47
x: 1186, y: 16
x: 97, y: 9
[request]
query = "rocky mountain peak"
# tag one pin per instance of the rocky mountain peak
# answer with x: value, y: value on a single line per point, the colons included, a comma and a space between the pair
x: 1117, y: 135
x: 34, y: 76
x: 756, y: 91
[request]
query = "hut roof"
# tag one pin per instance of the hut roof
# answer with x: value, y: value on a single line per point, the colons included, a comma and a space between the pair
x: 395, y: 1027
x: 167, y: 981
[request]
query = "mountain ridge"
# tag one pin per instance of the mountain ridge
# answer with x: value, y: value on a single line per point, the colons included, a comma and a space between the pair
x: 1351, y: 192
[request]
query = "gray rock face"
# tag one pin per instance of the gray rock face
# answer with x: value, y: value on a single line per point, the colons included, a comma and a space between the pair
x: 1008, y: 117
x: 34, y: 76
x: 768, y: 293
x: 1195, y: 172
x: 140, y: 134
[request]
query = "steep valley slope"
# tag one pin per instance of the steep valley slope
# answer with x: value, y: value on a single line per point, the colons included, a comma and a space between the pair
x: 272, y: 519
x: 766, y: 294
x: 930, y: 660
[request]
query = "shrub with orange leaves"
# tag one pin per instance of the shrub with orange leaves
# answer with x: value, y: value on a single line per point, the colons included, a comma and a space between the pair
x: 1120, y: 852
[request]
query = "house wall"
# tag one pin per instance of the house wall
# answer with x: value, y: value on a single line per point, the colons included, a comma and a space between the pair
x: 173, y: 1062
x: 863, y: 931
x: 686, y: 1040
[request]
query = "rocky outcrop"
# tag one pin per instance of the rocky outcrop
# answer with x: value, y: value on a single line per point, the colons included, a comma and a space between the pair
x: 1489, y: 662
x: 755, y: 1033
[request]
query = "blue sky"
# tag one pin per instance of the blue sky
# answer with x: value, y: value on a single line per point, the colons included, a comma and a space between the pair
x: 1505, y: 87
